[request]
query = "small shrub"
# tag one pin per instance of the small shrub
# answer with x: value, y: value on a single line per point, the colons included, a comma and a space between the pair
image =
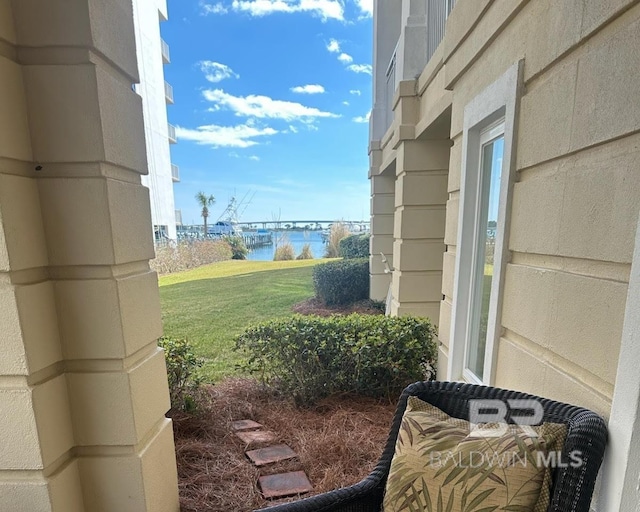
x: 305, y: 253
x: 189, y: 254
x: 337, y: 232
x: 310, y: 357
x: 377, y: 305
x: 355, y: 246
x: 239, y: 250
x: 341, y: 282
x: 284, y: 252
x: 182, y: 366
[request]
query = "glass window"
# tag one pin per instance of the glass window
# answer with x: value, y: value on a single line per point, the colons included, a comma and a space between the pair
x: 490, y: 170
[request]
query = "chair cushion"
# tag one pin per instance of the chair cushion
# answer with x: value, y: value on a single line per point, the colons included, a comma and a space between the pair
x: 445, y: 464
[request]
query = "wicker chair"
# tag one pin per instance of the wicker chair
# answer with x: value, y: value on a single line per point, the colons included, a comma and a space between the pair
x: 572, y: 486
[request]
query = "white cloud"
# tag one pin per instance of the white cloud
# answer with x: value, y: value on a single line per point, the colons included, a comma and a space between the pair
x: 345, y: 103
x: 216, y: 72
x: 324, y: 9
x: 217, y: 8
x: 240, y: 136
x: 360, y: 68
x: 355, y: 92
x: 333, y: 46
x: 254, y: 158
x: 293, y: 129
x: 263, y: 107
x: 366, y: 6
x: 308, y: 89
x: 362, y: 119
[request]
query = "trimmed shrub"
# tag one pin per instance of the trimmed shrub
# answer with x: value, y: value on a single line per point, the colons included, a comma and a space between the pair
x: 306, y: 253
x: 182, y: 366
x: 337, y: 232
x: 284, y: 252
x: 355, y: 246
x: 189, y: 254
x: 239, y: 250
x: 310, y: 357
x: 342, y: 282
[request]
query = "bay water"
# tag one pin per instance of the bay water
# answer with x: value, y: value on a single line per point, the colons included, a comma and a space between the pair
x: 296, y: 238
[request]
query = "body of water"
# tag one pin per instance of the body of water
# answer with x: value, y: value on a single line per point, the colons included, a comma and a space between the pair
x: 296, y: 238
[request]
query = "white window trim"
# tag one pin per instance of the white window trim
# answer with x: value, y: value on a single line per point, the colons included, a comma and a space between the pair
x: 499, y: 100
x: 488, y: 134
x: 621, y: 468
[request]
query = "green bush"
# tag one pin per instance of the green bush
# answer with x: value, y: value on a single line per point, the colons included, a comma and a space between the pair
x: 182, y: 366
x: 284, y: 252
x: 342, y: 282
x: 310, y: 357
x: 239, y: 250
x: 355, y: 246
x: 305, y: 253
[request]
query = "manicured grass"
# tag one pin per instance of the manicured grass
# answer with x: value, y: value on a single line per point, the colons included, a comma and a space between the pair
x: 210, y: 305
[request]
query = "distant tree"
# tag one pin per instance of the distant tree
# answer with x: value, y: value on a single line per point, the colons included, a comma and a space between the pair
x: 287, y: 226
x: 205, y: 202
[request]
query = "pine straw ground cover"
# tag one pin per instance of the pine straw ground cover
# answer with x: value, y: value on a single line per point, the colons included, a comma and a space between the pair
x: 315, y: 306
x: 338, y: 441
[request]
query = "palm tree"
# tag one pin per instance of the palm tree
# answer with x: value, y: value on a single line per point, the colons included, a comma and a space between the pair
x: 204, y: 202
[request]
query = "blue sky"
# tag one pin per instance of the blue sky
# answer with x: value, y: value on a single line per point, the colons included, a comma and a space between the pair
x: 272, y: 99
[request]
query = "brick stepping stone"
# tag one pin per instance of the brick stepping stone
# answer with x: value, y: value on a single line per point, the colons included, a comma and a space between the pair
x: 245, y: 425
x: 271, y: 454
x: 257, y: 436
x: 284, y: 484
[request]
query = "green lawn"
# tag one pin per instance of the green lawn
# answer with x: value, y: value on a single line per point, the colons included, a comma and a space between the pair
x: 211, y: 304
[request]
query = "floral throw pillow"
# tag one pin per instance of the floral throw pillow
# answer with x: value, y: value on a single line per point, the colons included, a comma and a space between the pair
x: 444, y: 464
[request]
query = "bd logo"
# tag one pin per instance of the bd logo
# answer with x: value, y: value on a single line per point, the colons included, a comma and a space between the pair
x: 523, y: 412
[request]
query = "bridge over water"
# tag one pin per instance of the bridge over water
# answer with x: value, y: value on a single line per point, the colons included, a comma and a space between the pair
x: 278, y: 224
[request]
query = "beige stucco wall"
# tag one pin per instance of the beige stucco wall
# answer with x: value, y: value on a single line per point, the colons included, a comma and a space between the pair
x: 576, y: 196
x: 83, y: 388
x: 577, y: 192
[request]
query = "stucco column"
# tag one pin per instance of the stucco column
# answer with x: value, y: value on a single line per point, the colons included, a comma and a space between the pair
x: 381, y: 242
x: 418, y: 247
x: 83, y: 388
x: 386, y: 30
x: 412, y: 44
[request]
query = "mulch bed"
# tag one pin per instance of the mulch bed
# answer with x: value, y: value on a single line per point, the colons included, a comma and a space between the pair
x: 314, y: 306
x: 339, y: 441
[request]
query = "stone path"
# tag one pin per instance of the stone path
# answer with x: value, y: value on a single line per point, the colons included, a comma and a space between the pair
x: 278, y: 485
x: 271, y: 454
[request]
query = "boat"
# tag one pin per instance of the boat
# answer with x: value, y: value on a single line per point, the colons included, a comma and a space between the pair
x: 224, y: 228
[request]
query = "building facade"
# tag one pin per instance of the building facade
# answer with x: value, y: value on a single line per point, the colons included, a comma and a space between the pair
x: 83, y: 384
x: 156, y: 93
x: 505, y: 194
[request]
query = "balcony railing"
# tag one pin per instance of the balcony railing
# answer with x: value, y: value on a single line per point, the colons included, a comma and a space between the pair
x: 437, y: 14
x: 171, y: 131
x: 168, y: 93
x: 166, y: 57
x: 175, y: 173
